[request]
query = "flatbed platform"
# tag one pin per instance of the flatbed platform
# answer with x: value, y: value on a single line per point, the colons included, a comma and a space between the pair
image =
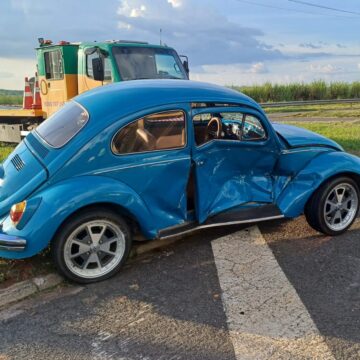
x: 20, y: 113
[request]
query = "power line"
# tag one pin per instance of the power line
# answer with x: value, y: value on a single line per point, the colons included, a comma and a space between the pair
x: 274, y: 7
x: 324, y: 7
x: 286, y: 9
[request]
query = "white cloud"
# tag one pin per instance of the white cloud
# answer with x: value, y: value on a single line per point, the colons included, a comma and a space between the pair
x: 128, y: 10
x: 138, y: 12
x: 280, y: 71
x: 175, y: 3
x: 258, y: 68
x: 13, y: 72
x: 325, y: 69
x: 202, y: 32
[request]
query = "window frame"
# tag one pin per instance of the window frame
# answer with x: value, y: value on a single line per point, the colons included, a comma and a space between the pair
x: 45, y: 66
x: 168, y: 51
x: 205, y: 110
x: 156, y: 150
x: 253, y: 140
x: 74, y: 135
x: 103, y: 58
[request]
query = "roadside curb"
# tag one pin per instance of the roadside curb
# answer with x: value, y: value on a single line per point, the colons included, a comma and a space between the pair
x: 24, y: 289
x: 21, y: 290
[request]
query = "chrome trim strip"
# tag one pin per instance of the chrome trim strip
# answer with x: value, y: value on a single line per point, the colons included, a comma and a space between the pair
x: 12, y: 243
x: 223, y: 224
x: 142, y: 164
x: 287, y: 152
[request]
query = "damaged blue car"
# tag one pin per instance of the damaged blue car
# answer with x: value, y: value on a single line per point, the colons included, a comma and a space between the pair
x: 152, y: 159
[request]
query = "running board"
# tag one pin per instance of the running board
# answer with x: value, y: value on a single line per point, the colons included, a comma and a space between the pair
x: 248, y: 216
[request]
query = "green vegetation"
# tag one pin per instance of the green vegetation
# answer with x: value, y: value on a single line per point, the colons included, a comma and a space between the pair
x: 11, y: 97
x: 324, y: 110
x: 311, y: 108
x: 346, y: 134
x: 317, y: 90
x: 5, y: 150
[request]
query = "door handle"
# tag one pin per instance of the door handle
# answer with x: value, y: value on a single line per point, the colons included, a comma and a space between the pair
x: 200, y: 162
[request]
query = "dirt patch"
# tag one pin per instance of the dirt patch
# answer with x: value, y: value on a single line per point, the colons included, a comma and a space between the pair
x: 12, y: 271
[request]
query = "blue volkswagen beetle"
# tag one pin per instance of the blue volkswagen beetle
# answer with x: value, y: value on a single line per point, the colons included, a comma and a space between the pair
x: 153, y: 159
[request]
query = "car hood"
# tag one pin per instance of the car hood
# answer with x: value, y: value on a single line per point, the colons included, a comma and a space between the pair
x: 299, y: 137
x: 20, y: 175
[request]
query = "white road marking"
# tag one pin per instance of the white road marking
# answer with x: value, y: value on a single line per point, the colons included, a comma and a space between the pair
x: 266, y: 317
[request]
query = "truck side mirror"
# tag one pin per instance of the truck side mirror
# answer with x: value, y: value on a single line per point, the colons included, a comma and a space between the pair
x: 98, y: 69
x: 185, y: 63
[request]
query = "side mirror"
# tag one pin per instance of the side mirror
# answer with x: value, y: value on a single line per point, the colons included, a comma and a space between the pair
x: 185, y: 63
x: 98, y: 69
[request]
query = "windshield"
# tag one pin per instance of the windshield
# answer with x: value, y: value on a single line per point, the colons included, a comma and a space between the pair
x: 135, y: 63
x: 63, y: 125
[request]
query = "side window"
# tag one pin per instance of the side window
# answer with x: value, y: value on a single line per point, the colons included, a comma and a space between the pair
x: 227, y: 126
x: 107, y: 69
x: 160, y: 131
x: 167, y: 66
x: 53, y: 65
x: 253, y: 129
x: 221, y: 126
x: 107, y: 66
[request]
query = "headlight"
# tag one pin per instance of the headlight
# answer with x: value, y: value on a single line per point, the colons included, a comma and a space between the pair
x: 17, y: 211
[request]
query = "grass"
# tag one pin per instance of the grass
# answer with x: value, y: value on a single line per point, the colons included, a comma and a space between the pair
x: 5, y: 150
x: 317, y: 90
x: 11, y: 100
x: 346, y: 134
x: 11, y: 97
x: 323, y: 109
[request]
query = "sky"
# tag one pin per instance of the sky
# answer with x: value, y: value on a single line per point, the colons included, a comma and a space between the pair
x: 228, y: 42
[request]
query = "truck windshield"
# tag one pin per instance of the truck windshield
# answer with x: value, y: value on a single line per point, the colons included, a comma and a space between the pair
x: 135, y: 63
x: 63, y: 125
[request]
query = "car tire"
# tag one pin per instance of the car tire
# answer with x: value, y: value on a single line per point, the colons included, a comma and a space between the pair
x: 92, y: 246
x: 334, y: 206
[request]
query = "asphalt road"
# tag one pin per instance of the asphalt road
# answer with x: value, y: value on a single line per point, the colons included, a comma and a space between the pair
x: 168, y: 305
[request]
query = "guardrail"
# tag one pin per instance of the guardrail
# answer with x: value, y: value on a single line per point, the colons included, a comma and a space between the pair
x: 309, y: 102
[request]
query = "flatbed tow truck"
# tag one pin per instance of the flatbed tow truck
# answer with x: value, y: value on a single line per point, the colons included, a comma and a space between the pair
x: 66, y: 69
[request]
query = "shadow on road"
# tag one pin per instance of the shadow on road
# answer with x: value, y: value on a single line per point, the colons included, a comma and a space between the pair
x: 325, y: 271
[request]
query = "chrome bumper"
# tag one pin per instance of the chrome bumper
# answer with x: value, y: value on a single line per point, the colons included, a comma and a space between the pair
x: 12, y: 243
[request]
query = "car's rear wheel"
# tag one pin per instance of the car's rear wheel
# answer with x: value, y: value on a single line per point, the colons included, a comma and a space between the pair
x: 334, y: 206
x: 92, y: 246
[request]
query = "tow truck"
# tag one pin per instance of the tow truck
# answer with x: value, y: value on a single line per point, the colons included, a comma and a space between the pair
x: 66, y: 69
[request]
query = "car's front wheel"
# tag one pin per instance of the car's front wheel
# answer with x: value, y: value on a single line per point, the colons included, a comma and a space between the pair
x: 92, y: 246
x: 334, y: 206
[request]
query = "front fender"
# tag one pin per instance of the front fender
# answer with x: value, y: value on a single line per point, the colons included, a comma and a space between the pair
x: 62, y: 199
x: 293, y: 198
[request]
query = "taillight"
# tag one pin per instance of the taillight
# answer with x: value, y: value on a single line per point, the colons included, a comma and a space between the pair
x: 17, y: 212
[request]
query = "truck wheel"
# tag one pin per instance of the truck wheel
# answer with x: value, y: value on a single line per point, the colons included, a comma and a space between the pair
x: 92, y: 246
x: 334, y: 206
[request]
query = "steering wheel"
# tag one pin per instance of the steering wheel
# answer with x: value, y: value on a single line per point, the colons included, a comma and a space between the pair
x: 213, y: 129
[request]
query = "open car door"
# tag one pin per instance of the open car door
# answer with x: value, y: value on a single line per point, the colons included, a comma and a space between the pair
x: 234, y: 155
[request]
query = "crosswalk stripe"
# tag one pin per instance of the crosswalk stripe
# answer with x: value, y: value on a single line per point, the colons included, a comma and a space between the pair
x: 266, y: 317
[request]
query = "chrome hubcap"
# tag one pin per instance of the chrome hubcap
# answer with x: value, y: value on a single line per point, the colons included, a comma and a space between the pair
x: 341, y: 206
x: 94, y: 249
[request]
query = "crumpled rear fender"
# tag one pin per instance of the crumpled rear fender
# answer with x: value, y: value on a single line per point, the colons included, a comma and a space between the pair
x: 294, y: 196
x: 59, y: 201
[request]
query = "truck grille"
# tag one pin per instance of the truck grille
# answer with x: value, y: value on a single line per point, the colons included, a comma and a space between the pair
x: 17, y: 162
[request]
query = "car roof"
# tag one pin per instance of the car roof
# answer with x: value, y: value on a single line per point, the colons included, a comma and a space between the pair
x: 117, y: 100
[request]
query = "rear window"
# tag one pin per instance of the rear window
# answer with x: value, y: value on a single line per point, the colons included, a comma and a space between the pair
x: 63, y: 125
